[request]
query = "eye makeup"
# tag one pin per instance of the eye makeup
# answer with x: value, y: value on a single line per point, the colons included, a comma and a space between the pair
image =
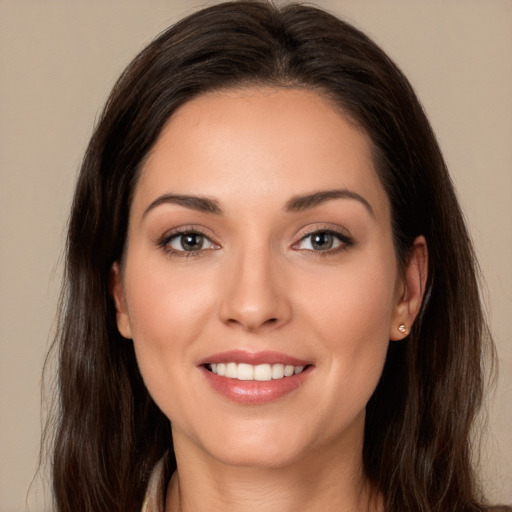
x: 186, y: 241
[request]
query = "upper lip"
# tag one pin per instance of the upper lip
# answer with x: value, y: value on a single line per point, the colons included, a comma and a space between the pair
x: 253, y: 358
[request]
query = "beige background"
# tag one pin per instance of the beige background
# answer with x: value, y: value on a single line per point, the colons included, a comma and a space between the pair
x: 58, y: 60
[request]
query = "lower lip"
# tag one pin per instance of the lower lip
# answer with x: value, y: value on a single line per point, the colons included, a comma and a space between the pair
x: 253, y: 391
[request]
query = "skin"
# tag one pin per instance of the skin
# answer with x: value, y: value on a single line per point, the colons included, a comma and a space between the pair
x: 257, y: 283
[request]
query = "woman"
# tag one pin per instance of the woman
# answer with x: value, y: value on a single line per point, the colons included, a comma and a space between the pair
x: 271, y: 299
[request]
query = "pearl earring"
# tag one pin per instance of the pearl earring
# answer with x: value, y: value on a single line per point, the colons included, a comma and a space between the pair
x: 402, y: 329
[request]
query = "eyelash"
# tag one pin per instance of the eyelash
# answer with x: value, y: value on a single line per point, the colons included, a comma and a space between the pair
x: 165, y: 241
x: 344, y: 240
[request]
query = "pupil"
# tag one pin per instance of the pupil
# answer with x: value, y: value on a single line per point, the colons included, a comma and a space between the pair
x: 322, y: 241
x: 192, y: 242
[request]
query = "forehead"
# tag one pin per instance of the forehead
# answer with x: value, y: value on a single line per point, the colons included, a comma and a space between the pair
x: 260, y: 142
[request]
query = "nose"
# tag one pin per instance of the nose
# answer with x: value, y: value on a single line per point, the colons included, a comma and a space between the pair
x: 255, y: 295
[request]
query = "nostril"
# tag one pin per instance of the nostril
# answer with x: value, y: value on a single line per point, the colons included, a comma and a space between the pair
x: 252, y: 325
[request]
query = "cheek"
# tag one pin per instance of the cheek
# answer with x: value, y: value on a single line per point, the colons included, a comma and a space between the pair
x: 353, y: 325
x: 167, y: 314
x: 166, y: 303
x: 354, y: 302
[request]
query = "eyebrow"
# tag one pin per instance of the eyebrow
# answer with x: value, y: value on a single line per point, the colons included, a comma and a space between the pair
x: 305, y: 202
x: 295, y: 204
x: 199, y: 203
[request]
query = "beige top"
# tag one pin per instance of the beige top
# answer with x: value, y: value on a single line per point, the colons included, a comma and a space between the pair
x: 154, y: 500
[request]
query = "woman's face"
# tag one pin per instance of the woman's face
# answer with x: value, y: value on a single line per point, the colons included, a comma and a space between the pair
x: 259, y: 245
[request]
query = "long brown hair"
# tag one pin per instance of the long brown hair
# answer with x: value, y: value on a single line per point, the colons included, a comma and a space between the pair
x: 110, y: 433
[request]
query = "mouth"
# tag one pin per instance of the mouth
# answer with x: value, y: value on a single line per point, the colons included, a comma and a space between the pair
x: 260, y: 372
x: 255, y: 378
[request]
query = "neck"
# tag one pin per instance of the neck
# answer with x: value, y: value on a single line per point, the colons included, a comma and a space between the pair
x: 324, y: 481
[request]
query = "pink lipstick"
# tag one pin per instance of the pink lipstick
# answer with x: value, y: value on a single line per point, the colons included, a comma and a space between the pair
x: 254, y: 377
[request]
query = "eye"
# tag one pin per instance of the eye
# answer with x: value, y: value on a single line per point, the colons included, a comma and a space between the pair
x: 188, y: 242
x: 323, y: 241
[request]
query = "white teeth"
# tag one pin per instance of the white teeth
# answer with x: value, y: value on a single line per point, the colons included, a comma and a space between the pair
x: 277, y: 371
x: 263, y: 372
x: 289, y: 370
x: 245, y: 372
x: 231, y: 370
x: 260, y: 372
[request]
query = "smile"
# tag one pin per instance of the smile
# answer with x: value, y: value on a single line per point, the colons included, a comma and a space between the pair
x: 260, y: 372
x: 252, y: 378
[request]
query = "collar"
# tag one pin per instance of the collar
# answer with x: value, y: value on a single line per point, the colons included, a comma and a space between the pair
x: 154, y: 500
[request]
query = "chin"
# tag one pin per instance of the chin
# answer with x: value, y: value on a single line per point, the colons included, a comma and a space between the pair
x: 268, y: 457
x: 252, y: 444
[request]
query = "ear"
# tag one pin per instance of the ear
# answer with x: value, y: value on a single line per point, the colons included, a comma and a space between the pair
x: 117, y: 292
x: 411, y: 290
